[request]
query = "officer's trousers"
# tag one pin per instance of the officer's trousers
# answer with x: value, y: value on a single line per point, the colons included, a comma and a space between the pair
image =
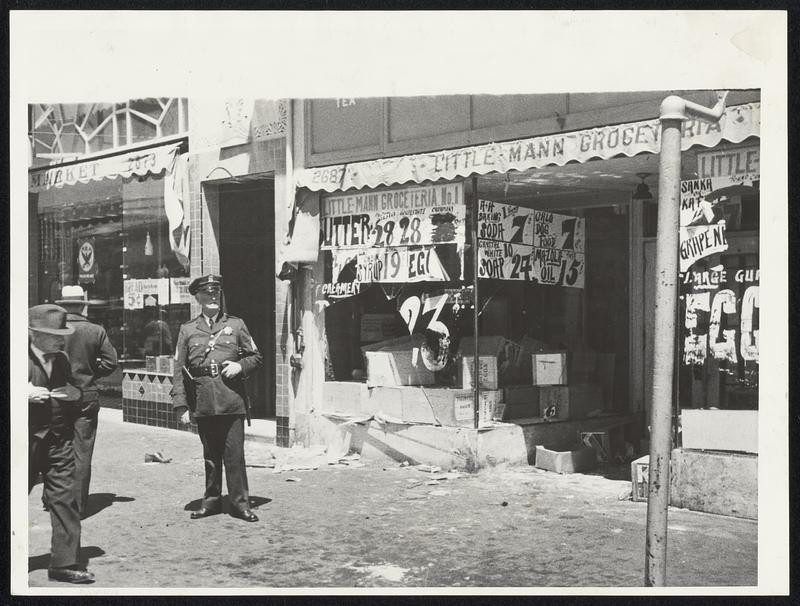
x: 53, y: 457
x: 223, y: 441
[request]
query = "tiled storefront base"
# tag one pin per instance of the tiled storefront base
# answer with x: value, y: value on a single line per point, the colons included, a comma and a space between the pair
x: 282, y: 435
x: 146, y: 400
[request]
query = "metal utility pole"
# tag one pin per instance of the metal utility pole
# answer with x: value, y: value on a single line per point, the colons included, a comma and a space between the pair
x: 476, y: 362
x: 674, y: 111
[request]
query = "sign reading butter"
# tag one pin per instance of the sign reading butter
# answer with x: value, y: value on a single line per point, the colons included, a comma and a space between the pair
x: 411, y: 216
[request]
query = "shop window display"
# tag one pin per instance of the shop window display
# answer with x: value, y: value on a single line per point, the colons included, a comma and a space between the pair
x: 111, y: 237
x: 540, y: 294
x: 719, y: 281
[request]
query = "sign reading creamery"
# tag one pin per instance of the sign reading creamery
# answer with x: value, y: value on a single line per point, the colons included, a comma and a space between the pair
x: 411, y: 216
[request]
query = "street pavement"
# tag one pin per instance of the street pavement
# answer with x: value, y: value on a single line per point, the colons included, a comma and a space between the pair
x: 334, y: 522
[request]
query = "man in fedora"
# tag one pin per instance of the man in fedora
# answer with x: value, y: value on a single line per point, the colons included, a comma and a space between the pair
x: 91, y: 357
x: 53, y: 403
x: 214, y: 352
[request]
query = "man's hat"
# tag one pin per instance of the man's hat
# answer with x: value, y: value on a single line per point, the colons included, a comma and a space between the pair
x: 49, y: 318
x: 209, y: 280
x: 75, y: 295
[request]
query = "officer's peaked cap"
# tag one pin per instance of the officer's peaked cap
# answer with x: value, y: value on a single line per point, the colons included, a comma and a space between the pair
x: 209, y: 280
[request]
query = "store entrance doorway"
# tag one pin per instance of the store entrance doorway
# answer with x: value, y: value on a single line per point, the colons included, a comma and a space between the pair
x: 247, y: 261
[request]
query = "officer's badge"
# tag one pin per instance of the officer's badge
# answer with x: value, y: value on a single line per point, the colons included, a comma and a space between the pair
x: 227, y: 330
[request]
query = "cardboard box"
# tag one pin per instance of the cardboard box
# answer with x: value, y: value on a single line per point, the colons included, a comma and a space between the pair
x: 165, y: 364
x: 582, y: 366
x: 549, y: 368
x: 520, y: 411
x: 438, y: 406
x: 505, y: 352
x: 729, y: 430
x: 397, y: 362
x: 522, y: 394
x: 604, y: 375
x: 640, y: 477
x: 569, y: 461
x: 390, y: 368
x: 388, y: 401
x: 490, y: 407
x: 487, y: 372
x: 569, y: 401
x: 344, y: 396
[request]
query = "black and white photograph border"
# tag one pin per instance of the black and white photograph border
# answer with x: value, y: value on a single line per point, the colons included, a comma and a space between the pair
x: 223, y: 214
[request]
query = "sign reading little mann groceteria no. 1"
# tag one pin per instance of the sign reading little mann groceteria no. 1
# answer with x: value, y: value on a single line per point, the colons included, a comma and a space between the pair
x: 411, y: 216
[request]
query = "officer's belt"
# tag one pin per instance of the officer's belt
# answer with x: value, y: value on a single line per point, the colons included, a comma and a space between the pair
x: 204, y: 371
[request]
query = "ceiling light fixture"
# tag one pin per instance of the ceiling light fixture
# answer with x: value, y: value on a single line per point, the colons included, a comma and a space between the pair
x: 642, y: 192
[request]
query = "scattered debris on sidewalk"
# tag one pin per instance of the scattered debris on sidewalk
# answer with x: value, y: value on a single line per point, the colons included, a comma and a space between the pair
x: 156, y: 458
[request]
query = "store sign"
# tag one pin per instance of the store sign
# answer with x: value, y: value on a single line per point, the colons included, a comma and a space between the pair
x: 397, y: 264
x: 737, y: 124
x: 146, y: 292
x: 179, y: 291
x: 735, y: 163
x: 410, y: 216
x: 139, y: 163
x: 720, y: 318
x: 710, y: 203
x: 517, y: 243
x: 550, y: 266
x: 87, y: 261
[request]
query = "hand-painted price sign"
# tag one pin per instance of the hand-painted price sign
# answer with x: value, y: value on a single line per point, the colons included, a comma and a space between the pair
x: 505, y: 261
x: 396, y: 217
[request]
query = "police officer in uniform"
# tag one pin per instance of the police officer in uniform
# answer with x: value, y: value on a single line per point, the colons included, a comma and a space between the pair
x: 214, y: 353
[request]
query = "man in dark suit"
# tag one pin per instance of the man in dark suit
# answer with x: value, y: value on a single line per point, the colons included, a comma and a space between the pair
x: 91, y: 356
x: 217, y: 351
x: 52, y: 405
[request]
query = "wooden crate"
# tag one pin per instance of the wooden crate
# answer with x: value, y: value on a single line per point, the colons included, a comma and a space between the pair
x: 640, y: 476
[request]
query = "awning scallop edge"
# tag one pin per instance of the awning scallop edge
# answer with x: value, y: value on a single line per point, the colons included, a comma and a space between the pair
x: 737, y: 124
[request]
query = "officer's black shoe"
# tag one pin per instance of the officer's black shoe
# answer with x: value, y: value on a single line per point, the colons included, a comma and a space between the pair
x: 203, y: 512
x: 246, y: 515
x: 70, y: 575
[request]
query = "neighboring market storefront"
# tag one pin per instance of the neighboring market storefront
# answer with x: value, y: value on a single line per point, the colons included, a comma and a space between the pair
x: 563, y: 264
x: 104, y: 215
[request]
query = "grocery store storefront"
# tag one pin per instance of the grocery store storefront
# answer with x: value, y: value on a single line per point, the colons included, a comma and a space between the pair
x: 554, y: 301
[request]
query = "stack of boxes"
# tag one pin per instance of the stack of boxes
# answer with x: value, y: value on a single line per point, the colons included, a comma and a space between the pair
x: 516, y: 381
x: 564, y: 386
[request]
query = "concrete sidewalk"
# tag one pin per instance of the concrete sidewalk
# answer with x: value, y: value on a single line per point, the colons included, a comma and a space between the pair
x: 350, y: 525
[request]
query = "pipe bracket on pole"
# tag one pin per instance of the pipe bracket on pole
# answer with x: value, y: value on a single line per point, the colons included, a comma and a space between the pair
x: 677, y: 108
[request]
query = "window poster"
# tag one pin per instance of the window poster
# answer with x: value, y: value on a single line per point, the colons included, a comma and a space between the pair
x: 517, y: 243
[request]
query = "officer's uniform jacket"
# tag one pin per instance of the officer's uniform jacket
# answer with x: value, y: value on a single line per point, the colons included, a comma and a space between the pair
x: 198, y: 348
x: 54, y: 415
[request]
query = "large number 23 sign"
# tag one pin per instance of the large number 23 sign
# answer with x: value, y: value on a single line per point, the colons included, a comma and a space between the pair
x: 411, y: 309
